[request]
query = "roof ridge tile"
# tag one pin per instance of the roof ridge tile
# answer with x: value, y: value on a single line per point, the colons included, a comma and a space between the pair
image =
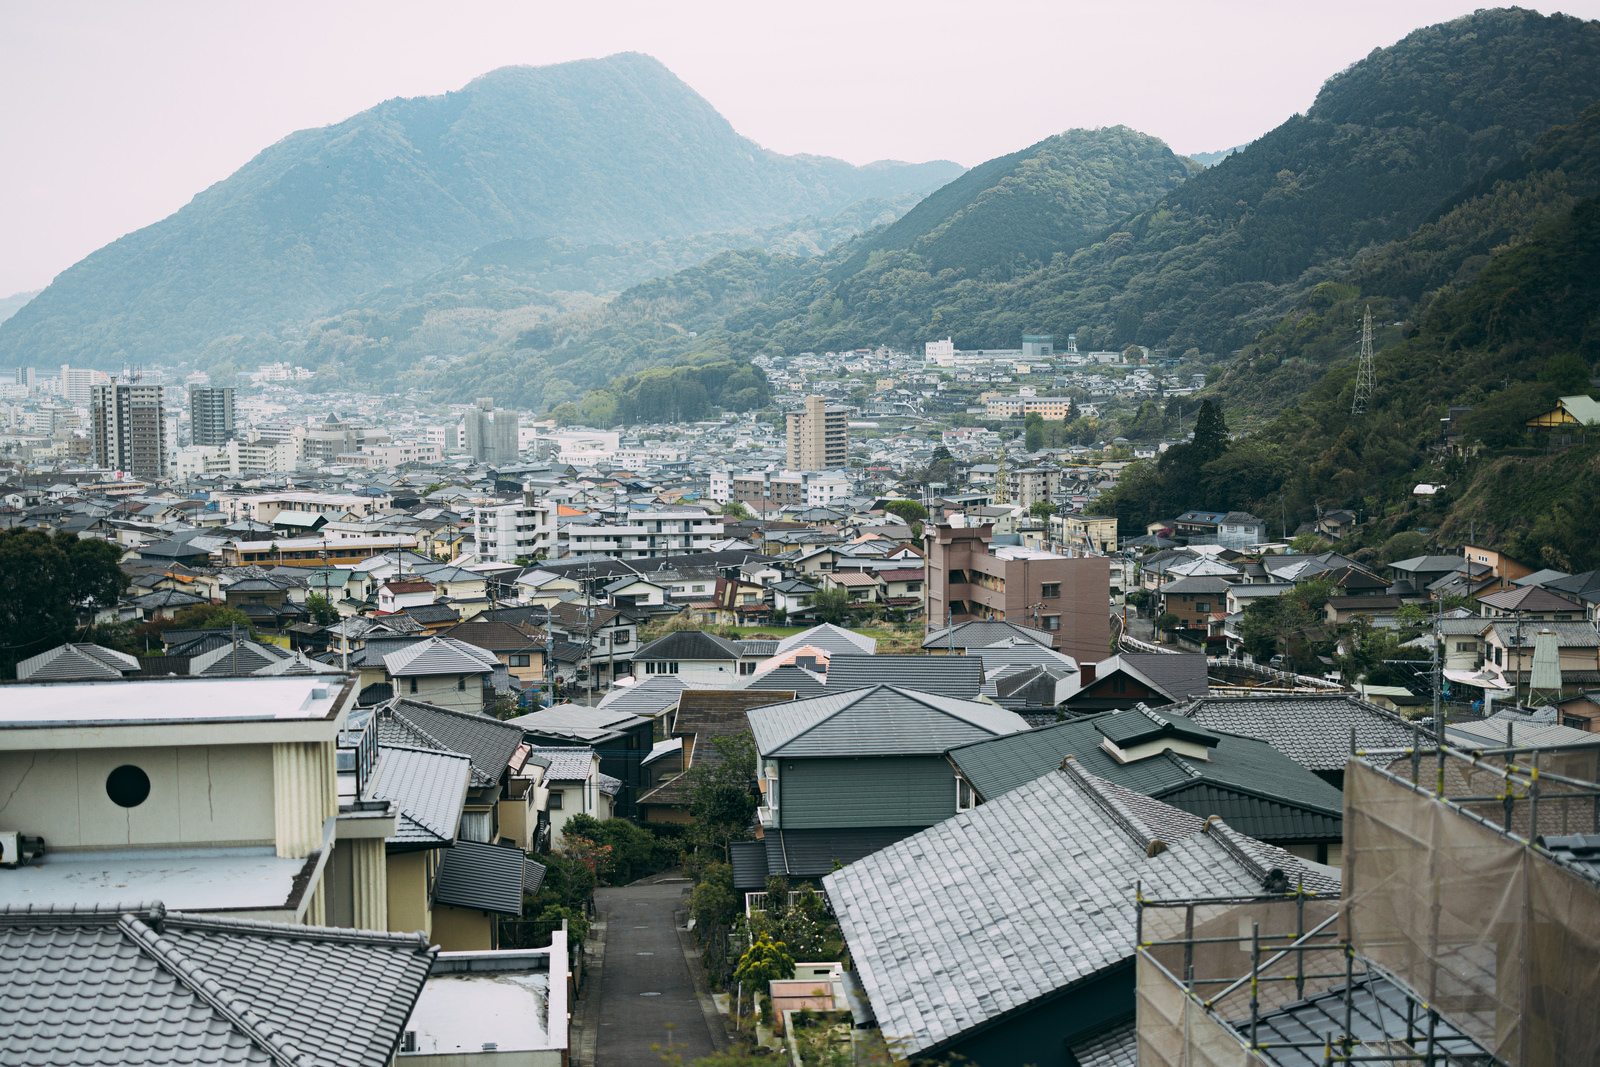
x: 170, y: 956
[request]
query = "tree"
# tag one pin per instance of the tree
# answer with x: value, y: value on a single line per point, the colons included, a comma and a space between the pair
x: 1210, y: 433
x: 45, y: 582
x: 764, y: 961
x: 323, y: 613
x: 208, y: 617
x: 831, y: 605
x: 1041, y: 509
x: 719, y: 790
x: 735, y: 509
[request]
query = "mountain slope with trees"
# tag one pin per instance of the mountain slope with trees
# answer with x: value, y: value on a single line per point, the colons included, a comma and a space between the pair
x: 1232, y: 249
x: 613, y: 150
x: 1005, y: 216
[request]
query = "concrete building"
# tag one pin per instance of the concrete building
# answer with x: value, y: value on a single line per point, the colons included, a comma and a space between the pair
x: 647, y: 535
x: 780, y: 488
x: 1016, y: 407
x: 210, y: 415
x: 505, y: 533
x: 971, y: 578
x: 129, y: 428
x: 818, y: 438
x: 325, y: 443
x: 490, y: 433
x: 1030, y: 485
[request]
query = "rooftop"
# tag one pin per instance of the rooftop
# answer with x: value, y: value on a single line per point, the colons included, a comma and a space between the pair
x: 171, y: 700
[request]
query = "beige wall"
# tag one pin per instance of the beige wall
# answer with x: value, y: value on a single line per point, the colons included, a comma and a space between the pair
x: 516, y: 820
x: 463, y: 929
x: 408, y: 880
x: 210, y: 795
x: 440, y: 689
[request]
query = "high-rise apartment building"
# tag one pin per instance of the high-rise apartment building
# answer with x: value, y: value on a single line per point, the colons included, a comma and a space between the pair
x: 210, y: 414
x: 491, y: 433
x: 129, y: 428
x: 818, y: 437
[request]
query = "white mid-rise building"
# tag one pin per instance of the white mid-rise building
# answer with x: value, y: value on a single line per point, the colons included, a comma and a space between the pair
x: 647, y: 535
x: 505, y: 533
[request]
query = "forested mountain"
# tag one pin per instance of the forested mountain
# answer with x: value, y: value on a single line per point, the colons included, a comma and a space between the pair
x: 1007, y: 216
x: 1502, y: 299
x: 606, y: 151
x: 1233, y: 248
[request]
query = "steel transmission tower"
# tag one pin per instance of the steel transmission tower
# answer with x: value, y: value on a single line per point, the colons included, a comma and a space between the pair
x: 1366, y: 377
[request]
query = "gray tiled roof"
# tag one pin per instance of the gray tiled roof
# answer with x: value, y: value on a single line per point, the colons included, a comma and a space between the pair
x: 576, y: 721
x: 882, y: 721
x: 650, y: 697
x: 235, y: 658
x: 831, y: 639
x: 147, y: 986
x: 76, y: 662
x: 1581, y: 852
x: 1116, y: 1047
x: 1312, y: 730
x: 789, y: 678
x: 1182, y: 676
x: 959, y: 677
x: 439, y: 655
x: 486, y: 877
x: 688, y: 645
x: 998, y: 908
x: 490, y: 743
x: 567, y: 764
x: 428, y: 787
x: 981, y: 633
x: 1019, y: 651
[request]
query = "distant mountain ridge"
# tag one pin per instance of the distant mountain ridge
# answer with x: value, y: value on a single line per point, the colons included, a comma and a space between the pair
x: 1211, y: 262
x: 10, y: 305
x: 613, y: 150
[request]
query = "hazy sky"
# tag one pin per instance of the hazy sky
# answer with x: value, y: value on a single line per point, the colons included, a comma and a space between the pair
x: 114, y: 114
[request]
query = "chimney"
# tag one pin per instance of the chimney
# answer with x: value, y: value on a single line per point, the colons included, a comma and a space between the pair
x: 1085, y: 673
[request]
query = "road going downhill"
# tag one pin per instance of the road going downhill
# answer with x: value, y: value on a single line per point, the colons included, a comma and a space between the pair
x: 645, y: 982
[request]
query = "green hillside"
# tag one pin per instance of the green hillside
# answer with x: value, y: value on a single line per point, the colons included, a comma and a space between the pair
x: 1004, y: 216
x: 1209, y: 264
x: 610, y: 151
x: 1523, y: 332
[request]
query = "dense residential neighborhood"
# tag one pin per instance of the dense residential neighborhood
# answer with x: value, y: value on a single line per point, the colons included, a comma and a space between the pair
x: 938, y: 748
x: 533, y: 576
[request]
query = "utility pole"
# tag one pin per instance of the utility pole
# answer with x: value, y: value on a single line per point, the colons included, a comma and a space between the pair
x: 1366, y: 376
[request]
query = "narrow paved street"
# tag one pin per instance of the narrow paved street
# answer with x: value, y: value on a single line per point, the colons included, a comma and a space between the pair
x: 645, y: 982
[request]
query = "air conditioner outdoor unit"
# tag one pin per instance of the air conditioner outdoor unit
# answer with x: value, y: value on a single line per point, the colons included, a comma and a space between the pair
x: 18, y: 849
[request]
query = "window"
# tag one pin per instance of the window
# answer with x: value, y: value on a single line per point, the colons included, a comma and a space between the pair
x: 1049, y: 590
x: 620, y: 639
x: 1465, y: 646
x: 1575, y: 722
x: 461, y: 684
x: 966, y: 799
x: 519, y: 659
x: 555, y: 799
x: 413, y: 685
x: 747, y: 668
x: 1052, y: 622
x: 1204, y: 605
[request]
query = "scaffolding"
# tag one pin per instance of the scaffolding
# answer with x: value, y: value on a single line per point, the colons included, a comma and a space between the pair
x: 1460, y: 937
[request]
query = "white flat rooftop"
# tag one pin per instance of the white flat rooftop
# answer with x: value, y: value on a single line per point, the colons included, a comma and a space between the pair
x: 235, y: 879
x: 468, y: 1012
x: 299, y: 698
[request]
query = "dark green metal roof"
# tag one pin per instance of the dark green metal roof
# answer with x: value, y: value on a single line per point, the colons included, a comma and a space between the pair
x: 1140, y: 726
x: 1259, y: 790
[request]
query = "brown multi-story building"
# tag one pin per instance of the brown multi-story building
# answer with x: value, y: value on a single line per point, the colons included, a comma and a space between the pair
x: 969, y: 577
x: 818, y: 437
x: 129, y: 428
